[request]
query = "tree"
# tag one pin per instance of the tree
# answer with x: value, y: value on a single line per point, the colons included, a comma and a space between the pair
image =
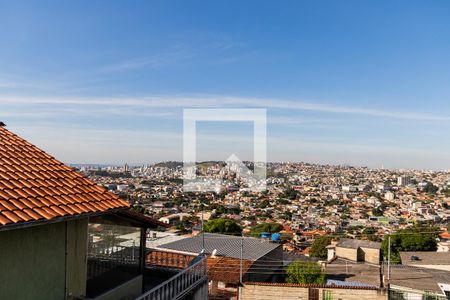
x: 224, y: 226
x: 377, y: 212
x: 430, y: 188
x: 304, y: 272
x: 290, y: 193
x: 370, y: 233
x: 411, y: 239
x: 318, y: 248
x: 266, y: 227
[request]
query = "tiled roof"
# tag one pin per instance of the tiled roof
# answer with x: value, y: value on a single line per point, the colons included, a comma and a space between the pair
x: 445, y: 235
x: 35, y: 186
x: 225, y: 245
x: 220, y: 268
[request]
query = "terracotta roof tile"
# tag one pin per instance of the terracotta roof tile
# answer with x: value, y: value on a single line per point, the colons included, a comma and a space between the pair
x: 4, y: 220
x: 68, y: 210
x: 11, y: 216
x: 23, y: 215
x: 36, y: 186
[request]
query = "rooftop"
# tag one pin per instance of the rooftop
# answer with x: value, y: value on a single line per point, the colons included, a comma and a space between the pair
x: 424, y: 258
x: 353, y: 273
x: 354, y: 244
x: 35, y: 187
x: 226, y: 245
x: 419, y: 278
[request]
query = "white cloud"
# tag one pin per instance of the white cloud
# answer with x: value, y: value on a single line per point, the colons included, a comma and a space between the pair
x: 219, y: 101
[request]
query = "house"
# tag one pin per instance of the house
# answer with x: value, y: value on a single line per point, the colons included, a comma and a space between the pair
x: 64, y: 237
x: 422, y: 275
x: 411, y: 282
x: 285, y: 291
x: 261, y: 260
x: 444, y: 243
x: 345, y: 272
x: 426, y: 259
x: 355, y: 250
x: 174, y: 219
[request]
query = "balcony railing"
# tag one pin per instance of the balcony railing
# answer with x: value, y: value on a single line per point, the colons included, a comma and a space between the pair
x: 183, y: 283
x: 167, y: 260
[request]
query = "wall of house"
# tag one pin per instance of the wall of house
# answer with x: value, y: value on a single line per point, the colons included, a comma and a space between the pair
x: 76, y: 257
x: 254, y: 273
x: 371, y: 255
x: 285, y: 292
x: 348, y: 253
x: 34, y: 262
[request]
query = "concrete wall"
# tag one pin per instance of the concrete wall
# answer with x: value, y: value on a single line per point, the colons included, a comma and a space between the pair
x: 33, y: 261
x: 76, y: 258
x: 371, y: 255
x: 348, y: 253
x: 268, y: 292
x: 126, y: 291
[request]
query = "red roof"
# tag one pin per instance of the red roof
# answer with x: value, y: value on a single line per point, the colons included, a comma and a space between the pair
x: 35, y: 186
x: 445, y: 235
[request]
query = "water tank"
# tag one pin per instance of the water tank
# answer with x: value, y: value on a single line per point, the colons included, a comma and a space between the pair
x: 276, y: 237
x: 265, y: 235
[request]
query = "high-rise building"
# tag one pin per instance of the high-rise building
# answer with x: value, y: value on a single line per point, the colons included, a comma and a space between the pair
x: 403, y: 181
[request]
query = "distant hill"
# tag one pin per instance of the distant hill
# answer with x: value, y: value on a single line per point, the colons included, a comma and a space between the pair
x: 170, y: 164
x: 179, y: 164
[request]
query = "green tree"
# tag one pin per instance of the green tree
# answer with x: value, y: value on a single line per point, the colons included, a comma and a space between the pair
x: 266, y: 227
x: 318, y: 248
x: 430, y: 188
x: 304, y: 272
x: 290, y: 193
x: 224, y: 226
x: 377, y: 212
x: 411, y: 239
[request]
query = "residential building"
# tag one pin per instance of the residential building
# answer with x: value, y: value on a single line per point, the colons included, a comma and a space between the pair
x: 64, y: 237
x: 355, y: 250
x: 403, y: 181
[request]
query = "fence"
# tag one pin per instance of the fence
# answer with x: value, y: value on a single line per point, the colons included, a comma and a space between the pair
x: 181, y: 284
x: 398, y: 293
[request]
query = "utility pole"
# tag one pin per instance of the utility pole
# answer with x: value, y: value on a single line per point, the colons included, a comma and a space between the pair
x: 389, y: 259
x: 203, y: 234
x: 240, y: 267
x: 242, y: 254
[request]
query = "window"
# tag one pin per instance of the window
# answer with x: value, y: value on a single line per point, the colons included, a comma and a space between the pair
x: 113, y: 256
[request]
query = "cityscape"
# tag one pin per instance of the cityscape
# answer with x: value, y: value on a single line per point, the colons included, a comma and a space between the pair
x: 300, y: 196
x: 224, y: 150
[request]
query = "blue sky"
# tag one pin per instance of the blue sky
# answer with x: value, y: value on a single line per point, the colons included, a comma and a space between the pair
x: 344, y: 82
